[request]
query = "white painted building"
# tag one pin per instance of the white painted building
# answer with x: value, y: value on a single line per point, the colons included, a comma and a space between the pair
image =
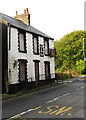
x: 29, y: 54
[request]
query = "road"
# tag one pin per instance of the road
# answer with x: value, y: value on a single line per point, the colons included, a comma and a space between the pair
x: 62, y: 101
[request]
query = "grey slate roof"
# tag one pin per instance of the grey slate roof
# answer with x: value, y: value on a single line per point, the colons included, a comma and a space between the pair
x: 21, y: 25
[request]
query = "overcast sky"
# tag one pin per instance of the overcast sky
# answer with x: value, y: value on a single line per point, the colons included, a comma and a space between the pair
x: 53, y: 17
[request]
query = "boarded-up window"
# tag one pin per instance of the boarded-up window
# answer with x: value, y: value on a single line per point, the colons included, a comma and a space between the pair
x: 22, y: 42
x: 22, y: 71
x: 46, y: 47
x: 35, y: 42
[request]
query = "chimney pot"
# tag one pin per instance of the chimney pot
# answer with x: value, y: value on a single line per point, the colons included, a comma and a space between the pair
x: 26, y: 10
x: 16, y: 12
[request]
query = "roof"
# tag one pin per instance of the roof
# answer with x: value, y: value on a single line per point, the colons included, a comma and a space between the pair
x: 19, y: 24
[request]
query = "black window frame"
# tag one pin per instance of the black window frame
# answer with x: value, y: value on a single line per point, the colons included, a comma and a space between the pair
x: 24, y: 33
x: 47, y: 40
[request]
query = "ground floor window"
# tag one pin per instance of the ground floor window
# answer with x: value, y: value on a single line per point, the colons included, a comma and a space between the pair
x: 22, y: 70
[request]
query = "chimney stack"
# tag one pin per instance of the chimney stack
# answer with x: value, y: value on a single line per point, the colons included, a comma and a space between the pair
x: 25, y: 17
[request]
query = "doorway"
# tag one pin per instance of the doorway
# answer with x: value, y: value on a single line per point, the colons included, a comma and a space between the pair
x: 47, y: 70
x: 36, y: 73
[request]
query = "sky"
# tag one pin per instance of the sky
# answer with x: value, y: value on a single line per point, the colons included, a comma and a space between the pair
x: 55, y: 18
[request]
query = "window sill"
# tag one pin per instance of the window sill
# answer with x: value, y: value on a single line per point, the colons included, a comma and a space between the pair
x: 47, y: 55
x: 36, y: 53
x: 22, y: 51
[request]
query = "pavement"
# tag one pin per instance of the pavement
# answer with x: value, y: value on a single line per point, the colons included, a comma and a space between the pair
x: 62, y: 101
x: 21, y: 93
x: 6, y: 97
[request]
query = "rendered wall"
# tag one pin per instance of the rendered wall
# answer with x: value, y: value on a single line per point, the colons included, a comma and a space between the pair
x: 14, y: 55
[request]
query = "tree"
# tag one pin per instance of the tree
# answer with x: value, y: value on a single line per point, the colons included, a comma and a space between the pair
x: 69, y: 51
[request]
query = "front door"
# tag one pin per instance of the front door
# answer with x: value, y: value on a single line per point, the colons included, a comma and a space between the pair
x: 47, y: 70
x: 22, y: 71
x: 36, y: 73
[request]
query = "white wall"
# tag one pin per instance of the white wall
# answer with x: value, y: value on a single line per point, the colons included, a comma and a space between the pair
x: 14, y: 55
x: 52, y: 63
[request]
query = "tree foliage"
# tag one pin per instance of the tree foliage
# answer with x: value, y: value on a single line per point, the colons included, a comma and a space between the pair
x: 69, y: 52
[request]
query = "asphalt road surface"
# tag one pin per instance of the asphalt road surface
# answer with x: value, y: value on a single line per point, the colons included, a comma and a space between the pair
x: 62, y: 101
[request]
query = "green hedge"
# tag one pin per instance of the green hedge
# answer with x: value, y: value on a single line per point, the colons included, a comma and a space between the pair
x: 62, y: 76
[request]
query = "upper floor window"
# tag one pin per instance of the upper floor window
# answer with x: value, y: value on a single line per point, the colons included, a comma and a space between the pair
x: 46, y: 43
x: 41, y: 51
x: 35, y: 44
x: 22, y: 42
